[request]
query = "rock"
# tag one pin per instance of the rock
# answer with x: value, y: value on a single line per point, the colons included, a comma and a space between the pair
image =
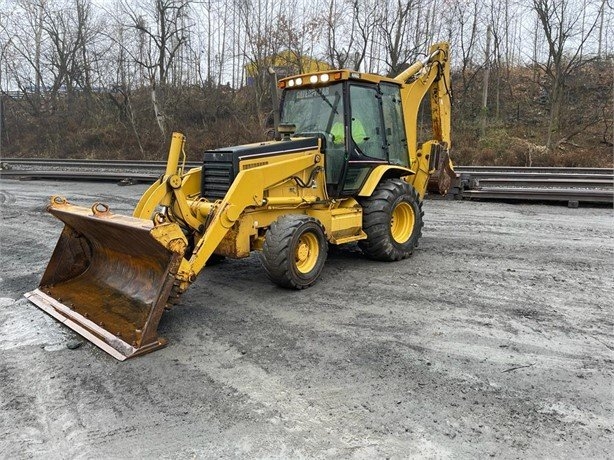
x: 74, y: 344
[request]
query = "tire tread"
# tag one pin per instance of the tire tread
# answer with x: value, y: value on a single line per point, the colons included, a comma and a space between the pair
x: 276, y: 251
x: 377, y: 209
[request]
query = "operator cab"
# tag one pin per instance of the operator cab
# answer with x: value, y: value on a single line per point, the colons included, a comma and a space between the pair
x: 359, y: 120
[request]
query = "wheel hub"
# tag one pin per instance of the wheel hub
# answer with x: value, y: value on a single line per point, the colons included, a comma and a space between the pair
x: 307, y: 252
x: 302, y: 252
x: 402, y: 222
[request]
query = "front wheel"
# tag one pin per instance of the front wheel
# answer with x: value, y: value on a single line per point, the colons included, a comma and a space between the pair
x: 294, y: 251
x: 392, y: 220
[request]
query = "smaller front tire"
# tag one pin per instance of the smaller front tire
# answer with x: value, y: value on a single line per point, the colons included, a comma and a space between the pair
x: 294, y: 251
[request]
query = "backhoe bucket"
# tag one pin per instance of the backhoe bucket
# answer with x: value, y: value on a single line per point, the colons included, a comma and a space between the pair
x: 443, y: 178
x: 110, y: 276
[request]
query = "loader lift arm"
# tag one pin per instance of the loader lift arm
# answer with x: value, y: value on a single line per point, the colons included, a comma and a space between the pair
x: 247, y: 190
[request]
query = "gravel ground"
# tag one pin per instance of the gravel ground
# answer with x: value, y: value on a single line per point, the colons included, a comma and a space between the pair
x: 494, y: 340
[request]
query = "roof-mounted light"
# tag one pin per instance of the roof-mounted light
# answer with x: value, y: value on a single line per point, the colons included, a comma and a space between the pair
x: 310, y: 79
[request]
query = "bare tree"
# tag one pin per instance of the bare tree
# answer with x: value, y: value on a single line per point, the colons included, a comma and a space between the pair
x: 161, y: 33
x: 366, y: 15
x: 25, y: 29
x: 401, y: 46
x: 503, y: 21
x: 340, y: 33
x: 262, y: 43
x: 468, y: 17
x: 561, y: 24
x: 70, y: 32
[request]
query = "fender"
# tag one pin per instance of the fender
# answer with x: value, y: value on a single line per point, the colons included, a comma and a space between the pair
x: 382, y: 172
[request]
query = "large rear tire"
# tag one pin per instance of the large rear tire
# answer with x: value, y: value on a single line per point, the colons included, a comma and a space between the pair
x: 392, y: 220
x: 294, y: 251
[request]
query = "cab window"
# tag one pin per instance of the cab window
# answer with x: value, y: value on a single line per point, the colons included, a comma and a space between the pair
x: 319, y: 111
x: 366, y: 122
x: 396, y: 137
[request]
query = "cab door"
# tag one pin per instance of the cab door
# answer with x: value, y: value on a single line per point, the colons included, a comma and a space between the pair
x: 367, y: 146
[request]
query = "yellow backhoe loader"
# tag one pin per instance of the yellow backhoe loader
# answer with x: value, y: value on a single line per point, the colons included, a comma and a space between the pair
x: 349, y: 167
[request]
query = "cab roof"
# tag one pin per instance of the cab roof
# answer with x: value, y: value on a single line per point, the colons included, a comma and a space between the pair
x: 326, y: 77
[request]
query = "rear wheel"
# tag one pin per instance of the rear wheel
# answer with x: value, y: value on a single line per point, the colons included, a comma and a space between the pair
x: 392, y: 220
x: 294, y: 251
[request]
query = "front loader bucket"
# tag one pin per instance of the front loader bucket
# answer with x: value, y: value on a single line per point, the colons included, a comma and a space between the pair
x: 110, y: 276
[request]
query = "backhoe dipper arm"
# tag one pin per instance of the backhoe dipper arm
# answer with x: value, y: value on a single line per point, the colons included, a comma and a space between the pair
x: 435, y: 79
x: 431, y: 75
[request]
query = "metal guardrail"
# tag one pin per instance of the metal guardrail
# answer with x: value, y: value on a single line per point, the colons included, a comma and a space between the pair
x: 124, y: 178
x: 519, y: 175
x: 546, y: 184
x: 572, y: 197
x: 532, y: 169
x: 570, y: 185
x: 75, y: 163
x: 567, y: 181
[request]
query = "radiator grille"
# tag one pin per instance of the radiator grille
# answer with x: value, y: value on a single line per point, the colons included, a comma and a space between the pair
x: 217, y: 175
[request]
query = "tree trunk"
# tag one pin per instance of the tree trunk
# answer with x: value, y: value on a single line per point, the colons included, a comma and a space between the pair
x: 486, y: 78
x: 160, y: 119
x: 600, y: 37
x: 555, y: 111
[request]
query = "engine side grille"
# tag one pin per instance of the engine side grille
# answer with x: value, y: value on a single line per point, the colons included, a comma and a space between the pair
x: 221, y: 166
x: 217, y: 174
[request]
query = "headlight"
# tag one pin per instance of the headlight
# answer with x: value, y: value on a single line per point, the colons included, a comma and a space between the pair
x: 313, y: 79
x: 324, y: 77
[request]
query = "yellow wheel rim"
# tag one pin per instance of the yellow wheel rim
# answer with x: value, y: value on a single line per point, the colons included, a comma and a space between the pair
x: 307, y: 252
x: 402, y: 222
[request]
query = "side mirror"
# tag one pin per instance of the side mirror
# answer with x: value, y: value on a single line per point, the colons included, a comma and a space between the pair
x: 286, y: 130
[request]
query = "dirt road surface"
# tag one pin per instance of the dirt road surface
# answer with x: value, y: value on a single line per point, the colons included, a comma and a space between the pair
x: 494, y: 340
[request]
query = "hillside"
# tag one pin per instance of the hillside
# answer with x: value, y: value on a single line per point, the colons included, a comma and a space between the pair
x: 122, y: 125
